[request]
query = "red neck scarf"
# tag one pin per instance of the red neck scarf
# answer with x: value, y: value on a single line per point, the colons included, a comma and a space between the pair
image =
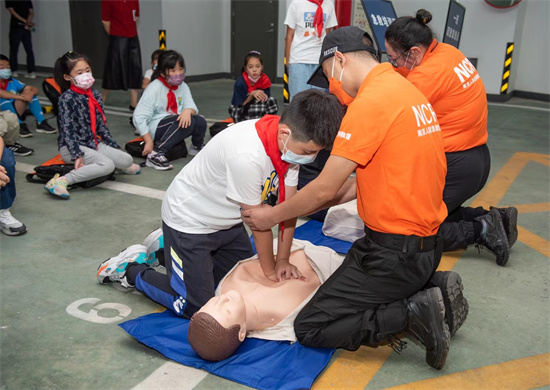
x: 262, y: 83
x: 267, y: 128
x: 172, y: 104
x: 4, y: 84
x: 93, y: 104
x: 318, y: 20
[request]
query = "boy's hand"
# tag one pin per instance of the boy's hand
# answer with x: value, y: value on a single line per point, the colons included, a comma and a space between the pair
x: 27, y: 96
x: 272, y: 276
x: 259, y: 218
x: 285, y: 270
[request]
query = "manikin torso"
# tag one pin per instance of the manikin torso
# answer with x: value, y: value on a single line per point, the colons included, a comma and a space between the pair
x: 274, y: 301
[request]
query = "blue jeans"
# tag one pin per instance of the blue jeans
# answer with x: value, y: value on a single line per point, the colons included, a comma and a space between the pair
x: 298, y: 75
x: 7, y: 193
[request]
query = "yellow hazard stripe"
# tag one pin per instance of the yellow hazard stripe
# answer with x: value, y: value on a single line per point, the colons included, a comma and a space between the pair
x: 504, y: 87
x: 285, y: 93
x: 508, y: 62
x: 505, y: 75
x: 509, y: 50
x: 285, y: 78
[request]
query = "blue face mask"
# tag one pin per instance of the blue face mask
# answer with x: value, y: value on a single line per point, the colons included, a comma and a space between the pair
x: 5, y: 74
x: 293, y: 158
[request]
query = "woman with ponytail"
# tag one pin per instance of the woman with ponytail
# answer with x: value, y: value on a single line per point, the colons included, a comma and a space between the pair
x: 457, y: 95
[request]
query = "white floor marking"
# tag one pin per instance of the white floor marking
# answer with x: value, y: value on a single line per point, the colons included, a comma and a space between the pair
x: 172, y: 376
x: 503, y: 105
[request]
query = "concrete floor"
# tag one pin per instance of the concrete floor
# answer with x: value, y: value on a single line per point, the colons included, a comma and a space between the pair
x: 53, y: 335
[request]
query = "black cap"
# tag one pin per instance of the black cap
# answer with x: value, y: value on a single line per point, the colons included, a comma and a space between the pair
x: 344, y: 40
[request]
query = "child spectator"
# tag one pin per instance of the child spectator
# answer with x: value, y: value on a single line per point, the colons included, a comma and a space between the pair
x: 166, y: 113
x: 84, y: 138
x: 16, y: 96
x: 251, y: 93
x: 9, y: 131
x: 8, y: 224
x: 149, y: 72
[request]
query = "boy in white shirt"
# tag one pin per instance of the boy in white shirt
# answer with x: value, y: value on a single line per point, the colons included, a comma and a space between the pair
x: 246, y: 166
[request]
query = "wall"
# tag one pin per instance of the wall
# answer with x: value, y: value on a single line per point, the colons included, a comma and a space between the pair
x: 52, y: 37
x: 201, y: 31
x: 150, y: 22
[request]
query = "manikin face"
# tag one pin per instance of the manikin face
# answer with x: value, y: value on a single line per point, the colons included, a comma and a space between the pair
x: 228, y: 309
x: 254, y: 67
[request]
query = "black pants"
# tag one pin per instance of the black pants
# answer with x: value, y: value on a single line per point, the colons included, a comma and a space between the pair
x: 169, y: 133
x: 467, y: 173
x: 366, y: 298
x: 19, y: 34
x: 195, y: 264
x: 122, y: 69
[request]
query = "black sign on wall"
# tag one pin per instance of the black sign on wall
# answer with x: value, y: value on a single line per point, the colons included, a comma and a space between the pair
x: 455, y: 21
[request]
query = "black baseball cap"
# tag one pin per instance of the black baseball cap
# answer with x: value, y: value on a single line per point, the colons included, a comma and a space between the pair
x: 345, y: 40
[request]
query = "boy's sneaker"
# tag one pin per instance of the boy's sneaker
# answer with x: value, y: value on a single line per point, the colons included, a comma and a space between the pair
x: 193, y: 150
x: 456, y: 305
x: 509, y: 216
x: 426, y: 323
x: 158, y: 161
x: 133, y: 169
x: 45, y: 128
x: 24, y: 131
x: 493, y: 236
x: 114, y: 268
x: 153, y: 243
x: 58, y: 186
x: 20, y: 150
x: 31, y: 75
x: 9, y: 225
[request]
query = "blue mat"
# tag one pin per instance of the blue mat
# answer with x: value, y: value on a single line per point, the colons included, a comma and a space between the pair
x: 265, y: 365
x: 312, y: 231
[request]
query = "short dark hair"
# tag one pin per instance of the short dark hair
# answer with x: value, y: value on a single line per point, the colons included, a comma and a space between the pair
x: 156, y: 54
x: 314, y: 115
x: 168, y: 59
x: 4, y: 58
x: 210, y: 340
x: 407, y: 31
x: 64, y: 65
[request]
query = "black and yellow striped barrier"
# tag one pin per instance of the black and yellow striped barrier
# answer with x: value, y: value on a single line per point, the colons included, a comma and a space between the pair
x: 162, y: 39
x: 286, y: 95
x: 507, y: 65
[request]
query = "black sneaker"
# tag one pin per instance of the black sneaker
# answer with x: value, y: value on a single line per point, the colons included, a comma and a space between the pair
x: 20, y: 150
x: 24, y: 131
x: 158, y: 161
x: 427, y: 324
x: 45, y: 128
x: 456, y: 305
x: 493, y: 236
x: 509, y: 216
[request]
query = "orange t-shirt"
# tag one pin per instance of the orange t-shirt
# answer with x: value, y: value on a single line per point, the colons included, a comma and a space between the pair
x: 455, y: 90
x: 392, y: 133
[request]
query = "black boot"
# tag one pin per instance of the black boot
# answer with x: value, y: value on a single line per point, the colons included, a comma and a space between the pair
x: 509, y: 216
x: 493, y: 236
x: 456, y: 305
x: 427, y: 324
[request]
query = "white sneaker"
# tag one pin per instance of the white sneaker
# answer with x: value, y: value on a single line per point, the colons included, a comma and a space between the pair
x: 133, y: 169
x: 9, y: 225
x: 31, y: 75
x: 14, y: 74
x: 114, y: 268
x: 193, y: 150
x: 154, y: 242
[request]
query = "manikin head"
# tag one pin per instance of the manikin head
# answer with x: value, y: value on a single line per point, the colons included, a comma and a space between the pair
x: 219, y: 327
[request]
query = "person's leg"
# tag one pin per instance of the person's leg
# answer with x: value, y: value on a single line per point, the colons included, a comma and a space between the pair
x: 120, y: 158
x: 189, y: 280
x: 20, y: 106
x: 112, y: 68
x: 169, y: 133
x: 27, y: 44
x: 234, y: 246
x: 15, y: 40
x: 95, y: 165
x: 134, y: 97
x: 10, y: 127
x: 297, y: 79
x: 8, y: 224
x: 36, y: 110
x: 135, y: 74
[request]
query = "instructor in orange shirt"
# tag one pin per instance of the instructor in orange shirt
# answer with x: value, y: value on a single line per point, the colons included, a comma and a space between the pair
x: 454, y: 89
x: 391, y: 137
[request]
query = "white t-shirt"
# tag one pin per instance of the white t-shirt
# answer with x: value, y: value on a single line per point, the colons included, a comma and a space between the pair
x: 306, y: 45
x: 232, y: 168
x: 324, y: 262
x: 148, y: 74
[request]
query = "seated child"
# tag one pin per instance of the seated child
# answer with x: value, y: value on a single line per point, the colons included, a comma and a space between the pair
x: 251, y: 93
x: 149, y: 72
x: 16, y: 96
x: 9, y: 131
x: 8, y: 224
x: 247, y: 166
x: 84, y: 138
x: 166, y: 113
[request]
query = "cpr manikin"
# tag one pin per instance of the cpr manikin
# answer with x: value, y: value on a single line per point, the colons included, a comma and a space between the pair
x: 247, y: 304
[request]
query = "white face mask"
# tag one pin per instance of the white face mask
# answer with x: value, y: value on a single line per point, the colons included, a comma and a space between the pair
x: 293, y: 158
x: 253, y: 80
x: 84, y: 80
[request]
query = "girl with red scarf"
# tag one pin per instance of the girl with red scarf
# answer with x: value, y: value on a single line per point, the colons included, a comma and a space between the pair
x: 84, y: 139
x: 251, y: 93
